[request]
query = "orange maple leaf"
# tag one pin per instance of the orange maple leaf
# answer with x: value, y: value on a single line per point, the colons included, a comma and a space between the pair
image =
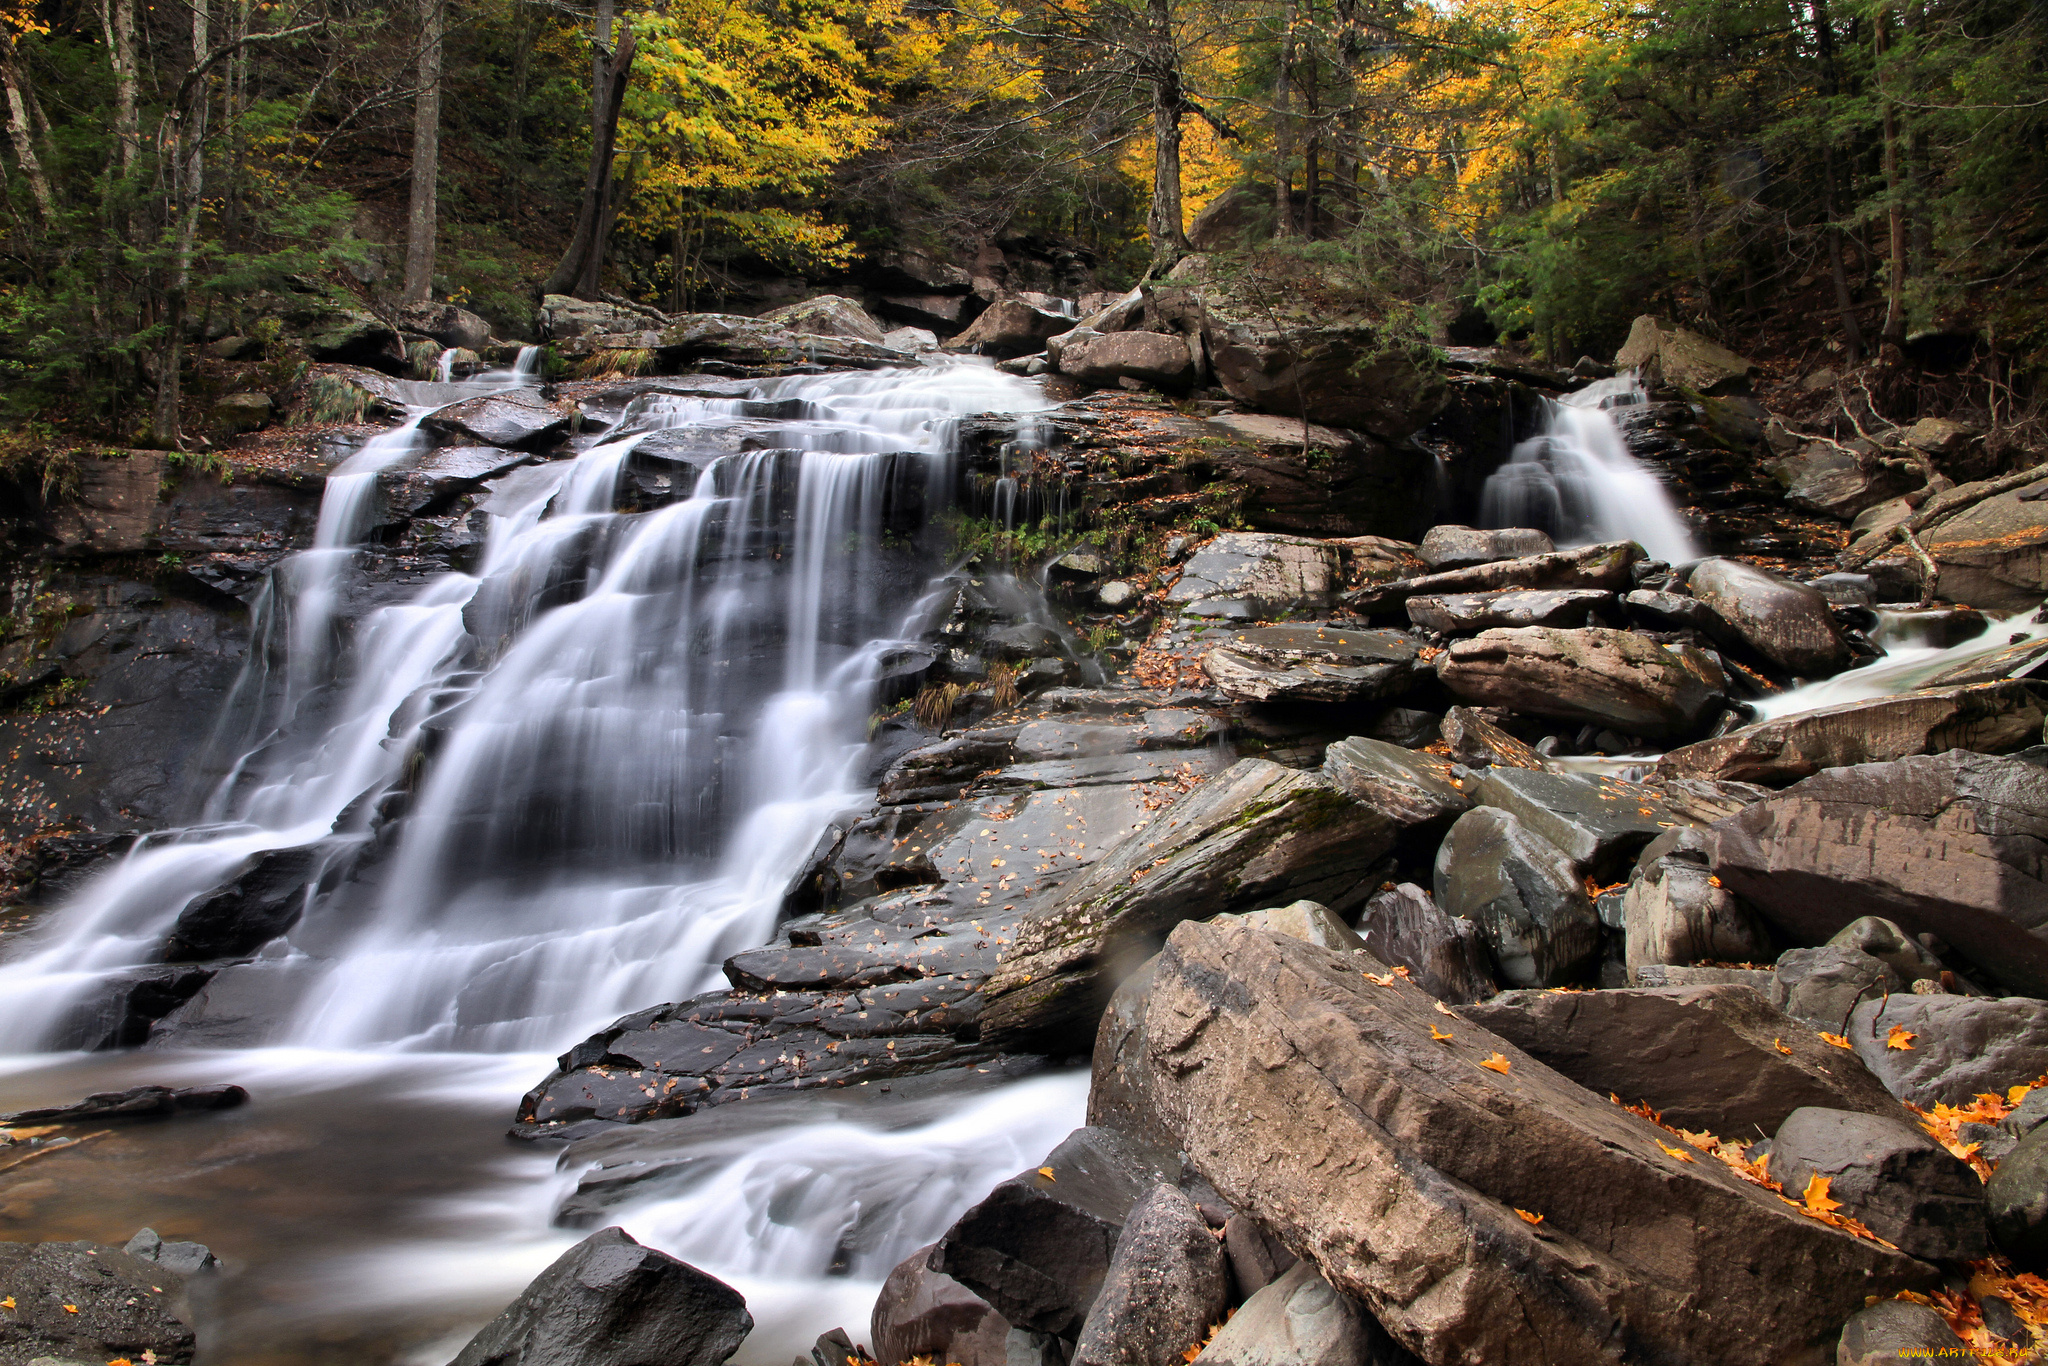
x: 1529, y: 1218
x: 1681, y: 1154
x: 1817, y: 1195
x: 1046, y: 1172
x: 1835, y: 1039
x: 1439, y: 1035
x: 1443, y: 1009
x: 1900, y: 1037
x: 1781, y: 1047
x: 1385, y: 981
x: 1497, y: 1063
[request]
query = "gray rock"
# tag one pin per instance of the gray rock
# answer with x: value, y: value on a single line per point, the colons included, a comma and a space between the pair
x: 1607, y: 567
x: 1954, y: 845
x: 1038, y: 1248
x: 1820, y: 987
x: 1609, y: 678
x: 1717, y: 1058
x: 1117, y: 594
x: 448, y: 324
x: 1892, y: 1332
x: 1445, y: 956
x: 562, y: 316
x: 1322, y: 1105
x: 1665, y: 354
x: 1153, y: 358
x: 1675, y: 912
x: 1478, y: 743
x: 1785, y: 622
x: 1461, y: 547
x: 2017, y: 1197
x: 911, y: 339
x: 1010, y: 327
x: 1994, y: 555
x: 922, y: 1312
x: 183, y: 1259
x: 1309, y: 921
x: 1601, y: 823
x: 1910, y: 1190
x: 1406, y: 727
x: 1256, y: 1258
x: 610, y: 1302
x: 243, y: 412
x: 1409, y: 787
x: 515, y: 420
x: 1312, y: 664
x: 1962, y: 1046
x: 1253, y: 835
x: 123, y: 1307
x: 1838, y: 482
x: 1890, y: 945
x: 1165, y: 1286
x: 1298, y: 1320
x: 1524, y: 894
x: 829, y: 315
x: 2029, y: 1114
x: 1251, y: 574
x: 1463, y: 613
x: 1661, y: 611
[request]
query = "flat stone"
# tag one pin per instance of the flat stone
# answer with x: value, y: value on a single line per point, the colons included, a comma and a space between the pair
x: 1464, y: 613
x: 1604, y: 567
x: 1461, y: 547
x: 1610, y: 678
x: 1409, y: 787
x: 513, y: 420
x: 1312, y: 664
x: 1260, y: 573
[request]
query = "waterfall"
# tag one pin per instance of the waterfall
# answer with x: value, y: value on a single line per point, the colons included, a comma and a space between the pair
x: 1577, y: 480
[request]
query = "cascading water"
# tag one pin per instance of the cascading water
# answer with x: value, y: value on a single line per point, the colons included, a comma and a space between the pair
x: 570, y: 783
x: 1577, y: 480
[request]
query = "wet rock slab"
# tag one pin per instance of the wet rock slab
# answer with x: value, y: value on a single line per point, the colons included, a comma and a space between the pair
x: 1311, y: 663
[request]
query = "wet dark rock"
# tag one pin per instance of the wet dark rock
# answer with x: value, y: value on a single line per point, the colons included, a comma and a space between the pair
x: 1342, y: 484
x: 1407, y: 727
x: 1676, y: 912
x: 1605, y: 567
x: 1615, y: 679
x: 1475, y: 741
x: 1787, y: 623
x: 1298, y: 1320
x: 1039, y: 1247
x: 1445, y: 955
x: 1600, y: 823
x: 925, y: 1313
x: 117, y: 1306
x: 137, y: 1102
x: 1962, y: 1047
x: 1165, y: 1285
x: 2017, y: 1199
x: 1460, y: 547
x: 1954, y: 845
x: 1524, y: 894
x: 1837, y: 481
x: 1256, y: 835
x: 1258, y: 1047
x: 1713, y: 1058
x: 610, y: 1302
x: 1666, y: 611
x: 942, y: 769
x: 1465, y: 613
x: 1256, y: 1258
x: 1245, y: 575
x: 1894, y: 1331
x: 263, y: 900
x: 178, y: 1258
x: 1909, y: 1189
x: 517, y: 419
x: 2009, y: 661
x: 123, y: 1007
x: 1990, y: 718
x: 1408, y: 787
x: 1312, y: 664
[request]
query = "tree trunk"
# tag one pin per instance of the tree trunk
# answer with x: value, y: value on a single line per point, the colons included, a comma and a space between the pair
x: 1164, y: 224
x: 1283, y: 133
x: 118, y: 18
x: 584, y: 260
x: 187, y: 181
x: 1894, y: 334
x: 23, y: 135
x: 424, y: 217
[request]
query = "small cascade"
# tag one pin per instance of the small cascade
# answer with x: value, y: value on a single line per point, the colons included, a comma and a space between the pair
x: 1909, y: 662
x: 444, y: 368
x: 1577, y: 480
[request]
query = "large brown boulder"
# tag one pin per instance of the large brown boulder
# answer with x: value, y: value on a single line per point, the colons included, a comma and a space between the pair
x: 1312, y: 664
x: 1010, y: 327
x: 1507, y: 1217
x: 1153, y: 358
x: 1665, y: 354
x: 1990, y: 718
x: 1606, y: 566
x: 828, y: 315
x: 1332, y: 483
x: 1255, y: 835
x: 1787, y: 623
x: 925, y: 1313
x: 1718, y: 1058
x: 1995, y: 555
x: 1611, y: 678
x: 1954, y: 845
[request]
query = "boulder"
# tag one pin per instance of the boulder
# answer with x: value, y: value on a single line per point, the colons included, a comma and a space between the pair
x: 1820, y: 986
x: 517, y: 420
x: 1329, y: 1108
x: 1662, y: 354
x: 1446, y: 956
x: 1252, y: 836
x: 1256, y: 1258
x: 1907, y: 1188
x: 911, y: 339
x: 1676, y: 912
x: 243, y: 412
x: 1892, y: 1332
x: 1298, y: 1320
x: 1713, y: 1058
x: 1409, y: 787
x: 1954, y: 845
x: 1839, y: 482
x: 1236, y: 220
x: 925, y: 1313
x: 1600, y: 823
x: 1662, y: 611
x: 562, y: 317
x: 1464, y: 613
x: 1102, y: 359
x: 1525, y: 895
x: 829, y: 315
x: 449, y: 325
x: 1990, y: 718
x: 1890, y: 945
x: 610, y: 1302
x: 1246, y: 574
x: 2017, y: 1201
x: 264, y: 898
x: 1312, y: 664
x: 1010, y: 327
x: 1606, y: 566
x: 1321, y: 481
x: 351, y: 337
x: 1460, y: 547
x: 1961, y: 1046
x: 1786, y: 622
x: 1165, y: 1286
x: 1478, y: 743
x: 1994, y: 555
x: 86, y: 1303
x: 178, y: 1258
x: 1039, y: 1246
x: 1309, y: 921
x: 1615, y: 679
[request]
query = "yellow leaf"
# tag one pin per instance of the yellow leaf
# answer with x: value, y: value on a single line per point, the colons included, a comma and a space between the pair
x: 2014, y: 1095
x: 1681, y: 1154
x: 7, y: 1303
x: 1402, y: 973
x: 1781, y: 1047
x: 1046, y: 1172
x: 1385, y: 981
x: 1835, y: 1039
x: 1497, y: 1063
x: 1529, y: 1218
x: 1900, y: 1037
x: 1817, y: 1195
x: 1443, y: 1009
x: 71, y: 1309
x: 1439, y: 1035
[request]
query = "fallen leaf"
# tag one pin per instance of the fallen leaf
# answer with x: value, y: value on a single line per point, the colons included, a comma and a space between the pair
x: 1443, y: 1009
x: 1817, y: 1195
x: 1385, y: 981
x: 1497, y: 1063
x: 1529, y: 1218
x: 1781, y: 1047
x: 71, y: 1309
x: 1046, y: 1172
x: 7, y: 1303
x: 1403, y: 973
x: 1681, y: 1154
x: 1835, y: 1039
x: 1900, y: 1037
x: 1439, y: 1035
